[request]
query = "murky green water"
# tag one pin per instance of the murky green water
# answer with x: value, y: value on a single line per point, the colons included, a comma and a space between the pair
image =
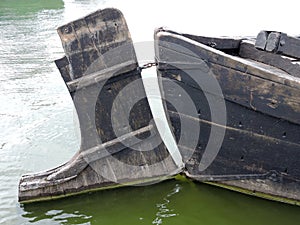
x: 38, y: 132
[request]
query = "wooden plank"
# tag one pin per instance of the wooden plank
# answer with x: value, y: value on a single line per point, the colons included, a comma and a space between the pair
x: 238, y: 116
x: 242, y: 152
x: 193, y: 52
x: 261, y: 95
x: 82, y: 160
x: 255, y: 93
x: 257, y: 86
x: 86, y: 39
x: 279, y: 43
x: 289, y: 46
x: 273, y: 42
x: 287, y: 193
x: 261, y: 40
x: 220, y: 43
x: 247, y: 50
x: 102, y: 76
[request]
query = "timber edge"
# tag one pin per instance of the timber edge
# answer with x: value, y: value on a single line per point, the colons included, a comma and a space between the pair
x: 132, y: 183
x: 184, y: 177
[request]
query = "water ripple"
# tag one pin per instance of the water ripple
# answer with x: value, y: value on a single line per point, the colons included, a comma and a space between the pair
x: 164, y: 210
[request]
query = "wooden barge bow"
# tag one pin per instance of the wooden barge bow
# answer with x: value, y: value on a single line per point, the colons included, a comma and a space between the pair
x: 233, y: 106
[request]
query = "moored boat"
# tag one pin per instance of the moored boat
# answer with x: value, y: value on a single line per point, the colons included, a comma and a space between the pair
x: 119, y: 143
x: 248, y: 102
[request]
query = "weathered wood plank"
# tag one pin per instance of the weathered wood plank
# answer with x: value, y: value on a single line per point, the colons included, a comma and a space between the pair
x: 279, y: 43
x: 247, y: 50
x: 238, y: 116
x: 273, y: 42
x: 88, y: 38
x: 258, y: 188
x: 261, y: 95
x: 174, y: 48
x: 101, y: 76
x: 261, y: 40
x: 246, y: 87
x: 289, y: 46
x: 220, y: 43
x: 255, y: 154
x: 82, y: 160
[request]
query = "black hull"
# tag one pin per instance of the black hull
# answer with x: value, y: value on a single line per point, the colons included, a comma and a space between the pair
x: 100, y: 62
x: 260, y: 152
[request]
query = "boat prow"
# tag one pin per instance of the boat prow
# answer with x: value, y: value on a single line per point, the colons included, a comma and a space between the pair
x: 120, y: 145
x: 255, y: 147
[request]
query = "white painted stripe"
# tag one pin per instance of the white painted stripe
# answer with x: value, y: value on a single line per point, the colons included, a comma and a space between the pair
x: 154, y: 97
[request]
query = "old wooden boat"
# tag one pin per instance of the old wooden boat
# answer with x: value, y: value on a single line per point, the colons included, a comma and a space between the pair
x: 100, y: 61
x: 247, y: 95
x: 231, y: 104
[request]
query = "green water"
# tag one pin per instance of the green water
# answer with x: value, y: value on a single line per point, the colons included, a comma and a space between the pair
x: 172, y: 202
x: 38, y: 131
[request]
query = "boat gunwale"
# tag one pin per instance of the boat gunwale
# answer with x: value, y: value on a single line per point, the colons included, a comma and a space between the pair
x: 281, y: 77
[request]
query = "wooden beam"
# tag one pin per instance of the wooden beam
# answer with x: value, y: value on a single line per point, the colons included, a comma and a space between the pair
x: 71, y: 169
x: 279, y: 43
x: 240, y: 116
x: 193, y: 53
x: 101, y: 76
x: 273, y: 42
x: 261, y: 40
x: 289, y: 46
x: 248, y: 50
x: 221, y: 43
x: 225, y: 44
x: 88, y: 39
x: 279, y: 100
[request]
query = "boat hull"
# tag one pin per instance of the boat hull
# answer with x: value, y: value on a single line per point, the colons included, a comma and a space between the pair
x: 260, y: 149
x: 119, y: 143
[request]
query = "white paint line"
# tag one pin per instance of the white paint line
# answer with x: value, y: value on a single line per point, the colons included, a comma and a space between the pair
x: 154, y: 97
